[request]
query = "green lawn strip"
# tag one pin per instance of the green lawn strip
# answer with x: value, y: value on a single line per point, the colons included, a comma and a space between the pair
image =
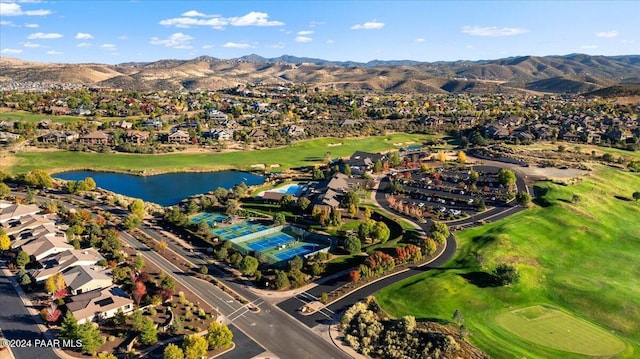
x: 303, y: 153
x: 578, y: 257
x: 33, y: 117
x: 584, y: 148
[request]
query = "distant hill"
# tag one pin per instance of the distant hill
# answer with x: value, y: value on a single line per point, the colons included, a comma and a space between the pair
x: 575, y: 73
x: 616, y: 91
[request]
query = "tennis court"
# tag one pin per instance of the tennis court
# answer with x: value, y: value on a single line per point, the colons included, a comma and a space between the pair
x: 299, y: 251
x: 238, y: 230
x: 210, y: 218
x: 269, y: 242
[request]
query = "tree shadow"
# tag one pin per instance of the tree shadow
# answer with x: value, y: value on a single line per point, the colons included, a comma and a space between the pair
x: 626, y: 199
x: 481, y: 279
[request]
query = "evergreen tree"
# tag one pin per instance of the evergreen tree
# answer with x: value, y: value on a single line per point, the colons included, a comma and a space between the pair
x: 90, y: 337
x: 69, y: 327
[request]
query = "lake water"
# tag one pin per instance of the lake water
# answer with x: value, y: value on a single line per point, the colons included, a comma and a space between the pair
x: 165, y: 189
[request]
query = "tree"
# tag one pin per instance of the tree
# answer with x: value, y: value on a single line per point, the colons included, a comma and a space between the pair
x: 173, y: 351
x: 5, y: 241
x: 381, y: 232
x: 506, y: 177
x: 303, y: 203
x: 377, y: 167
x: 89, y: 337
x: 286, y: 201
x: 38, y: 178
x: 131, y: 221
x: 22, y: 259
x: 194, y: 346
x: 162, y: 246
x: 351, y: 198
x: 139, y: 290
x: 248, y: 265
x: 367, y: 213
x: 281, y: 281
x: 219, y: 336
x: 69, y: 327
x: 136, y: 320
x: 354, y: 275
x: 54, y: 283
x: 139, y: 263
x: 353, y: 244
x: 53, y: 313
x: 394, y: 159
x: 462, y: 157
x: 136, y: 207
x: 324, y: 298
x: 636, y: 195
x: 4, y: 190
x: 119, y: 319
x: 279, y: 218
x: 353, y: 210
x: 441, y: 156
x: 148, y: 333
x: 105, y: 355
x: 317, y: 174
x: 346, y: 169
x: 506, y: 274
x: 458, y: 318
x: 523, y: 198
x: 295, y: 263
x: 25, y: 280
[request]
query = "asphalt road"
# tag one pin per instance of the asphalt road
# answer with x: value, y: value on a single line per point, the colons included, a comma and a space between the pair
x: 273, y: 329
x: 17, y: 323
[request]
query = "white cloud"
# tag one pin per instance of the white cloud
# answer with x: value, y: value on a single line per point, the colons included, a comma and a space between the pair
x: 193, y: 13
x: 13, y: 9
x: 109, y: 47
x: 7, y: 23
x: 236, y: 45
x: 123, y: 37
x: 176, y: 41
x: 52, y: 52
x: 32, y: 26
x: 627, y: 41
x: 42, y: 35
x: 589, y: 47
x: 279, y: 45
x: 207, y: 47
x: 607, y: 34
x: 84, y: 44
x: 303, y: 39
x: 419, y: 39
x: 11, y: 51
x: 194, y: 18
x: 330, y: 42
x: 316, y: 23
x: 371, y: 25
x: 305, y: 32
x: 31, y: 44
x: 84, y: 36
x: 254, y: 18
x: 493, y: 31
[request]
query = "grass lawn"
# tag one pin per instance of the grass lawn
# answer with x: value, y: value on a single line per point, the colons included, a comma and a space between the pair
x: 303, y: 153
x: 579, y: 258
x: 35, y: 117
x: 584, y: 148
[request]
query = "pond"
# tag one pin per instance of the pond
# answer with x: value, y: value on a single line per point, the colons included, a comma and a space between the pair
x: 165, y: 189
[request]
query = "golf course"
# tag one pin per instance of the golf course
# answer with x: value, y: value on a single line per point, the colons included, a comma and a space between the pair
x: 302, y: 153
x: 577, y: 250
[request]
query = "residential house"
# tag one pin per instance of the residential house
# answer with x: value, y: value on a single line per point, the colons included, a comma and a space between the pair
x: 123, y: 125
x: 6, y: 137
x: 220, y: 134
x: 59, y: 137
x: 98, y: 305
x: 45, y: 246
x: 65, y: 260
x: 295, y: 131
x: 364, y: 161
x: 16, y: 211
x: 155, y: 123
x: 95, y: 138
x: 178, y: 137
x: 137, y: 137
x: 258, y: 134
x: 82, y: 279
x: 43, y: 230
x: 213, y: 114
x: 24, y: 223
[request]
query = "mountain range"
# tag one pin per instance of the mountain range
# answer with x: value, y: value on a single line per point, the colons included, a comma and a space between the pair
x: 575, y: 73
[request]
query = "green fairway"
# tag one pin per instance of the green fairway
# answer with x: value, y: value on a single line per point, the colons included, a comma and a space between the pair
x: 36, y: 117
x: 303, y: 153
x: 552, y: 328
x: 578, y: 256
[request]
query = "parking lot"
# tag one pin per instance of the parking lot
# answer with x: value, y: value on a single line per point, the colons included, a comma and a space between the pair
x: 451, y: 193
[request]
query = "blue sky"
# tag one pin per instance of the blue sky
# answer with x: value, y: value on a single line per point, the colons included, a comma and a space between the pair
x: 145, y: 30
